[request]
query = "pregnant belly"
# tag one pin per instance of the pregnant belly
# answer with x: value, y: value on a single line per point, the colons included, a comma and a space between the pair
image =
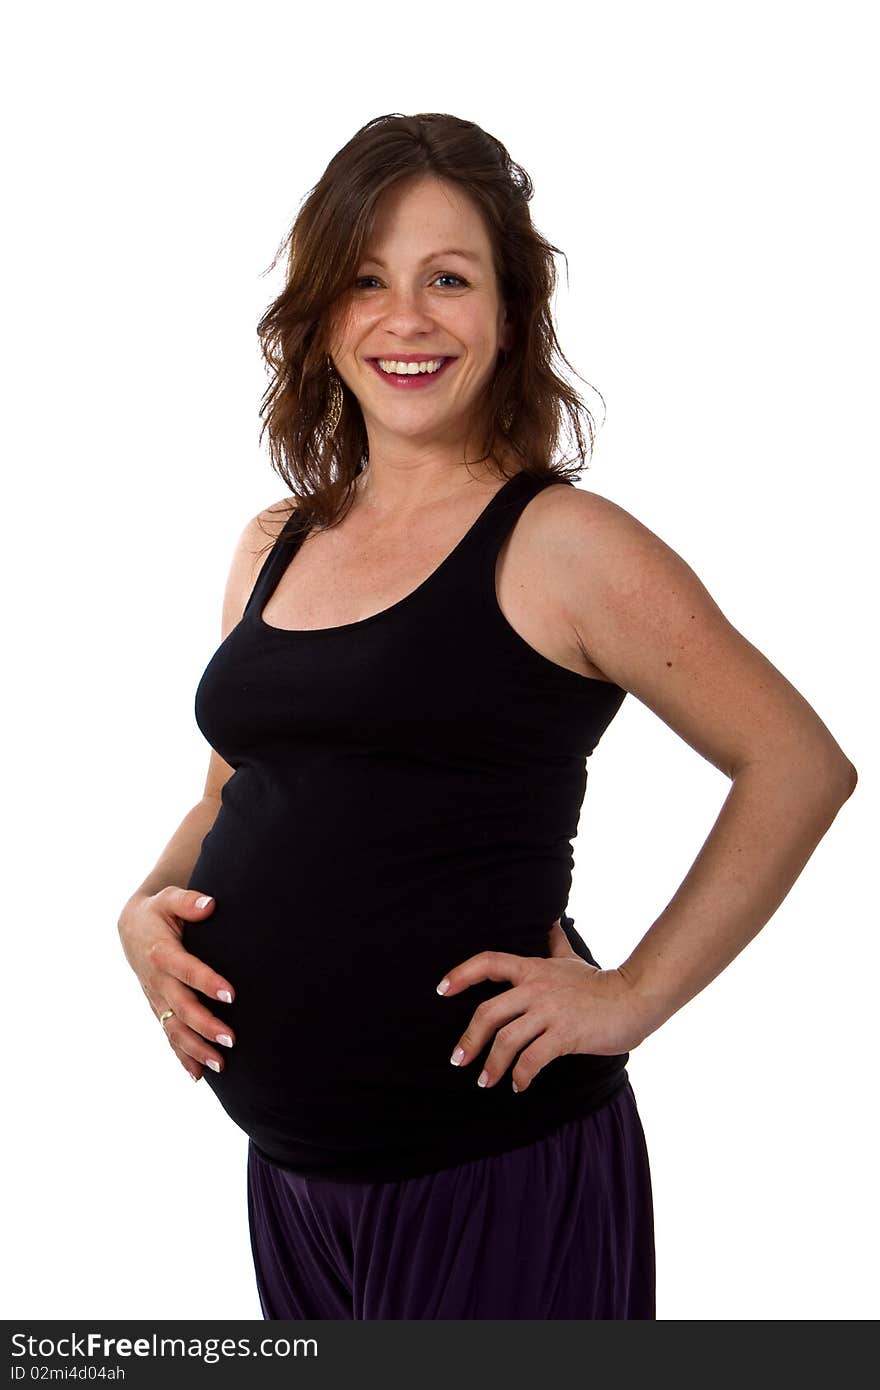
x: 340, y: 1002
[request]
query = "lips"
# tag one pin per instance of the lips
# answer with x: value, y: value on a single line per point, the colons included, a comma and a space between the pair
x: 412, y: 381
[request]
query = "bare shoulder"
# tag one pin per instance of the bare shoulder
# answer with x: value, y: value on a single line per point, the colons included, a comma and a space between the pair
x: 262, y: 530
x: 630, y: 594
x: 575, y: 512
x: 252, y: 548
x: 611, y: 575
x: 593, y: 543
x: 648, y: 622
x: 270, y: 521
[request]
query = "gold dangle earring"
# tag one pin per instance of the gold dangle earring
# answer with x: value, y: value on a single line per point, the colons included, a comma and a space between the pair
x: 334, y: 407
x: 505, y: 418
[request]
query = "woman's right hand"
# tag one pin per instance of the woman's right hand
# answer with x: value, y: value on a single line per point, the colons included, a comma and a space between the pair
x: 151, y: 936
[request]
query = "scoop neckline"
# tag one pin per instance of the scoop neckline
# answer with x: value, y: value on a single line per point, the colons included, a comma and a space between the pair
x: 299, y: 632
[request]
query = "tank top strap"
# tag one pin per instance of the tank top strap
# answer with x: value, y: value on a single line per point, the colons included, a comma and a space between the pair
x: 496, y: 523
x: 275, y: 563
x: 507, y: 505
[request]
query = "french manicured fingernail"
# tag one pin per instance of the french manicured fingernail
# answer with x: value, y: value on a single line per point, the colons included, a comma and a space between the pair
x: 443, y: 987
x: 203, y: 901
x: 209, y: 1062
x: 482, y: 1078
x: 457, y: 1056
x: 515, y: 1087
x: 224, y: 995
x: 225, y: 1039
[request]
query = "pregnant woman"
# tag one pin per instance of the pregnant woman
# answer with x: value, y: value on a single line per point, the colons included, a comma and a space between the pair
x: 361, y: 930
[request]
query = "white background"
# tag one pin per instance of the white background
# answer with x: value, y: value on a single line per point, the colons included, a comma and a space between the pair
x: 710, y: 172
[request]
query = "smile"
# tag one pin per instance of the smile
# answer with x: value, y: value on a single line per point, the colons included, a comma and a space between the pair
x: 409, y: 376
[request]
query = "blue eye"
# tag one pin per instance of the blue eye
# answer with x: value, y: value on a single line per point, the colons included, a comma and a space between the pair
x: 445, y: 275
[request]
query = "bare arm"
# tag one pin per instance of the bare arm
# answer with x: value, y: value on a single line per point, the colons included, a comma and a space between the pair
x: 150, y: 922
x: 177, y: 860
x: 769, y: 826
x: 647, y: 622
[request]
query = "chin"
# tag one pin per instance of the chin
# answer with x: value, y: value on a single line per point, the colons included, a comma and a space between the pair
x: 414, y: 421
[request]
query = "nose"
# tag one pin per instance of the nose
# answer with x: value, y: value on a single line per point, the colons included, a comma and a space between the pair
x: 406, y: 313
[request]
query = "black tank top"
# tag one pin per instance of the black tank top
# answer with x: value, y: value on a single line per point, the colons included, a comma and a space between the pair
x: 405, y: 793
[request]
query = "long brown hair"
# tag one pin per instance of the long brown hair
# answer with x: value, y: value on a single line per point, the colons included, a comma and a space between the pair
x: 527, y: 401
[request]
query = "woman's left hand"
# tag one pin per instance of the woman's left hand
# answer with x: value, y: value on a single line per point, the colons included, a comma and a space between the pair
x: 557, y: 1005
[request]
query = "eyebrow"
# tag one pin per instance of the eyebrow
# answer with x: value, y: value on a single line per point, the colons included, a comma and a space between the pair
x: 433, y: 256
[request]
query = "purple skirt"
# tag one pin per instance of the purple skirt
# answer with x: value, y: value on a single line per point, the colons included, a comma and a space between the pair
x: 560, y: 1228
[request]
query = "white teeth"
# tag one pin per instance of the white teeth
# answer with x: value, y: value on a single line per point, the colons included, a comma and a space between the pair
x: 390, y: 365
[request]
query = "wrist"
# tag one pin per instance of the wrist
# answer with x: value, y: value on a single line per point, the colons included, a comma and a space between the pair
x: 133, y: 902
x: 650, y: 1010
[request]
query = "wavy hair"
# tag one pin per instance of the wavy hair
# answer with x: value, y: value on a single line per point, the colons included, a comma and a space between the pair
x: 528, y: 403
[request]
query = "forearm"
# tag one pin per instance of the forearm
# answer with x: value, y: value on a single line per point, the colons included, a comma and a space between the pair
x: 178, y: 858
x: 770, y: 823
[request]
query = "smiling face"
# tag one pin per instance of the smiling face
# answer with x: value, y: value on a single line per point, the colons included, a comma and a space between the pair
x: 425, y: 290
